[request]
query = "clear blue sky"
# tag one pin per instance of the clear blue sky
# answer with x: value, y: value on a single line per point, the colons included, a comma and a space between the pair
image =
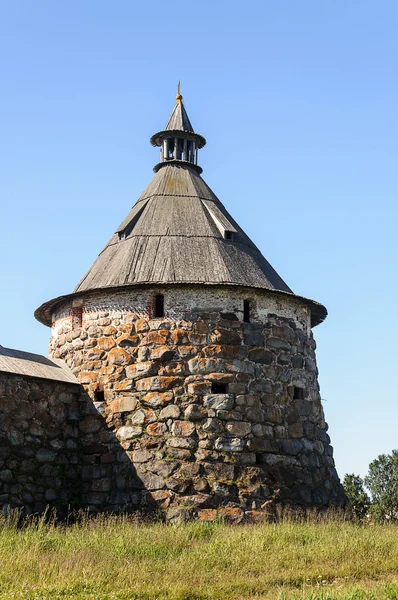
x: 298, y: 102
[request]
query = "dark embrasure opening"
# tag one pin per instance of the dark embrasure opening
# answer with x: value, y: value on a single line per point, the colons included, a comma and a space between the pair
x: 159, y: 305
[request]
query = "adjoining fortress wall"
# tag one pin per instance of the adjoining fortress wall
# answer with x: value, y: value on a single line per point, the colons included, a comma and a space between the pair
x: 40, y: 443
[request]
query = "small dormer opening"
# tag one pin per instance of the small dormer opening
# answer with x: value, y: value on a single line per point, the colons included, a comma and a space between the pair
x: 159, y: 306
x: 219, y: 388
x: 228, y: 235
x: 298, y: 393
x: 246, y: 311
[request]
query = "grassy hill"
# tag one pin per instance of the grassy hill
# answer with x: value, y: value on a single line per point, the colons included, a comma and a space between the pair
x: 119, y: 559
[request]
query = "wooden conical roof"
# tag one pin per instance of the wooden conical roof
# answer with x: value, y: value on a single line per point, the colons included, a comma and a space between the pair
x: 176, y: 233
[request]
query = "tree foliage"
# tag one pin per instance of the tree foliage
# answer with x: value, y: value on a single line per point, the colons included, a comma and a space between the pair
x: 358, y: 500
x: 382, y: 482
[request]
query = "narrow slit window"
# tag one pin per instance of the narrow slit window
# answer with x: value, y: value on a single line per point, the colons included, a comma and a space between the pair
x: 77, y: 317
x: 99, y: 396
x: 298, y: 393
x: 246, y: 311
x: 218, y: 388
x: 159, y: 305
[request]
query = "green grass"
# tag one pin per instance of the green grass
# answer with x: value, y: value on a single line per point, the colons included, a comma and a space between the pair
x: 119, y: 559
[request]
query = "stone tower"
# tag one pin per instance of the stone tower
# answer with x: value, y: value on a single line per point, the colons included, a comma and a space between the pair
x: 196, y: 353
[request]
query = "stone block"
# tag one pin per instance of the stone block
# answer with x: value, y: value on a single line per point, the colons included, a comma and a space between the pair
x: 180, y: 337
x: 156, y: 429
x: 7, y: 405
x: 15, y: 438
x: 169, y: 412
x: 206, y: 365
x: 125, y: 385
x: 184, y: 442
x: 138, y: 418
x: 141, y: 456
x: 229, y: 444
x: 179, y: 453
x: 199, y: 388
x: 106, y: 343
x: 194, y: 412
x: 173, y: 368
x: 273, y: 414
x: 162, y: 353
x: 238, y: 428
x: 292, y: 447
x: 90, y: 424
x: 157, y: 383
x: 223, y: 336
x: 182, y: 428
x: 141, y: 326
x: 207, y: 514
x: 128, y: 433
x: 5, y: 475
x: 87, y: 377
x: 295, y: 430
x: 151, y: 481
x: 255, y: 415
x: 110, y: 330
x: 240, y: 366
x: 245, y: 458
x: 230, y: 515
x: 127, y: 341
x: 261, y: 356
x: 263, y: 431
x: 157, y: 399
x: 44, y: 455
x: 219, y: 401
x: 186, y: 351
x: 118, y: 356
x: 260, y: 445
x: 278, y: 344
x: 123, y: 404
x: 154, y: 338
x: 213, y: 425
x: 140, y: 369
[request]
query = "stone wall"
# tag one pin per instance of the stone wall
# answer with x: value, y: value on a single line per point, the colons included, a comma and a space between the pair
x: 203, y: 411
x: 40, y: 443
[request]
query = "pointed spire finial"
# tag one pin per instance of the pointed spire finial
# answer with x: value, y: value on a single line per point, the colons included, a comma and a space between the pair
x: 178, y: 97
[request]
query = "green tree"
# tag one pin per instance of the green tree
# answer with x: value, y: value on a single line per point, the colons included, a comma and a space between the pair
x: 358, y: 500
x: 382, y: 482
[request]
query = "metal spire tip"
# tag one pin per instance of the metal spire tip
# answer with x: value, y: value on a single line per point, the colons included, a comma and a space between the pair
x: 178, y: 97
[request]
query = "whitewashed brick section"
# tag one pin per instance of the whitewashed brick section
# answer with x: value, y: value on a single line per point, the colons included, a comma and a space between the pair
x: 183, y: 302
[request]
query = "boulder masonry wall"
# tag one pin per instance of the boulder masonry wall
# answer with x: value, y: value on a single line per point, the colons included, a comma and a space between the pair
x: 202, y: 411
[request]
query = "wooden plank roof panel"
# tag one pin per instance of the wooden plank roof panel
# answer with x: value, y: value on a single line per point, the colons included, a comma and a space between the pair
x: 28, y: 364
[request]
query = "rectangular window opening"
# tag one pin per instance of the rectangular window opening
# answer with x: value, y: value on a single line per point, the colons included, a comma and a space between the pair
x: 298, y: 393
x: 99, y: 396
x: 246, y: 311
x: 228, y: 235
x: 219, y: 388
x: 159, y: 305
